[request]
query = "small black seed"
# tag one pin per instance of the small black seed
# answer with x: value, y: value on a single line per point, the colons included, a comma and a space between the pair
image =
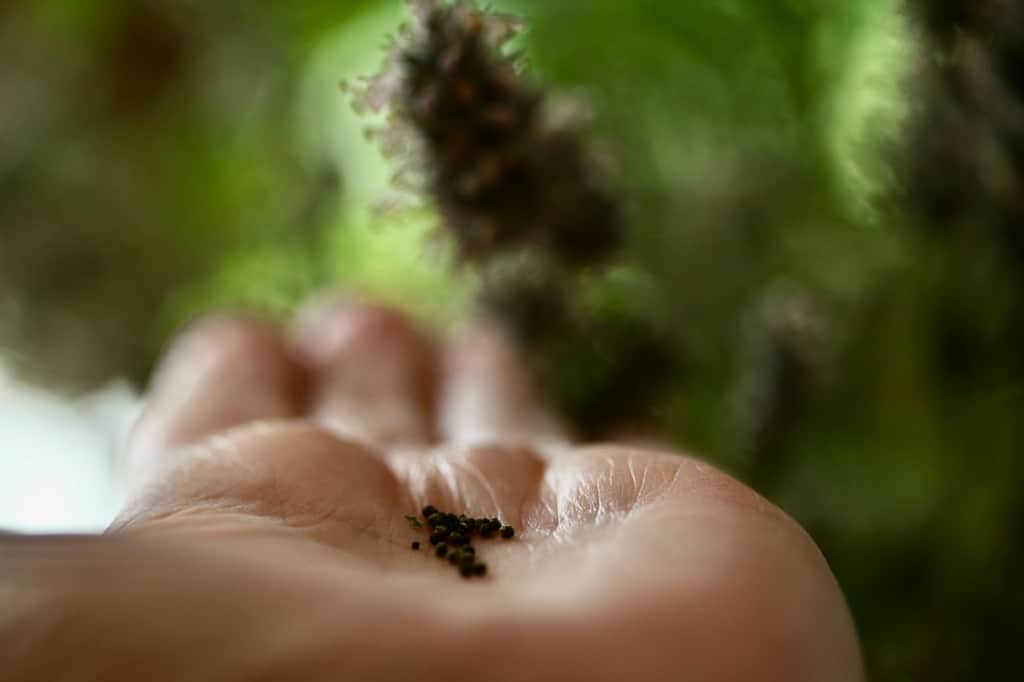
x: 434, y: 519
x: 507, y: 532
x: 453, y: 558
x: 468, y: 549
x: 441, y: 550
x: 457, y: 539
x: 466, y: 570
x: 479, y: 569
x: 436, y: 537
x: 415, y: 545
x: 429, y: 511
x: 466, y: 560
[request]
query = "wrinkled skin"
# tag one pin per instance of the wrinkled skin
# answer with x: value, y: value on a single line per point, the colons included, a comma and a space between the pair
x: 265, y: 538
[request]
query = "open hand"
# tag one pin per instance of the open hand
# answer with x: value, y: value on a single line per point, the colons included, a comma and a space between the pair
x: 265, y: 537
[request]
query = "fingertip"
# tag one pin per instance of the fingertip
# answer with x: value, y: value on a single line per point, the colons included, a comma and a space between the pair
x: 212, y: 341
x: 327, y: 328
x: 222, y: 371
x: 493, y: 394
x: 375, y: 371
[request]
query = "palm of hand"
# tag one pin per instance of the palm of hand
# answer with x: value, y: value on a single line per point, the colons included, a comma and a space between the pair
x: 627, y: 563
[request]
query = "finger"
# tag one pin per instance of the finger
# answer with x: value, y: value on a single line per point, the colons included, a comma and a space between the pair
x: 490, y: 395
x: 223, y: 372
x: 374, y: 373
x: 292, y: 471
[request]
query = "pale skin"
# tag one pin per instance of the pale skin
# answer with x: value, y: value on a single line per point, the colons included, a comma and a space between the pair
x: 265, y: 540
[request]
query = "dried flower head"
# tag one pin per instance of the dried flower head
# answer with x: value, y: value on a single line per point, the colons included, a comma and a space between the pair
x: 784, y: 361
x: 502, y: 171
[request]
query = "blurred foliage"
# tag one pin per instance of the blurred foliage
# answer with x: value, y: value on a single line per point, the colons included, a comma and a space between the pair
x: 826, y: 226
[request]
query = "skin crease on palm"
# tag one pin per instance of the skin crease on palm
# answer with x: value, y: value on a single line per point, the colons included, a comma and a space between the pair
x: 265, y: 537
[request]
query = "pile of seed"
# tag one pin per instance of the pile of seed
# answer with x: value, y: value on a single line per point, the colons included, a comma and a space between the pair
x: 451, y: 537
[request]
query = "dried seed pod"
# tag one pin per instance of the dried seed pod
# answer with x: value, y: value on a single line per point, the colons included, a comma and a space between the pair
x: 531, y: 296
x: 502, y: 171
x: 945, y: 20
x: 784, y: 366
